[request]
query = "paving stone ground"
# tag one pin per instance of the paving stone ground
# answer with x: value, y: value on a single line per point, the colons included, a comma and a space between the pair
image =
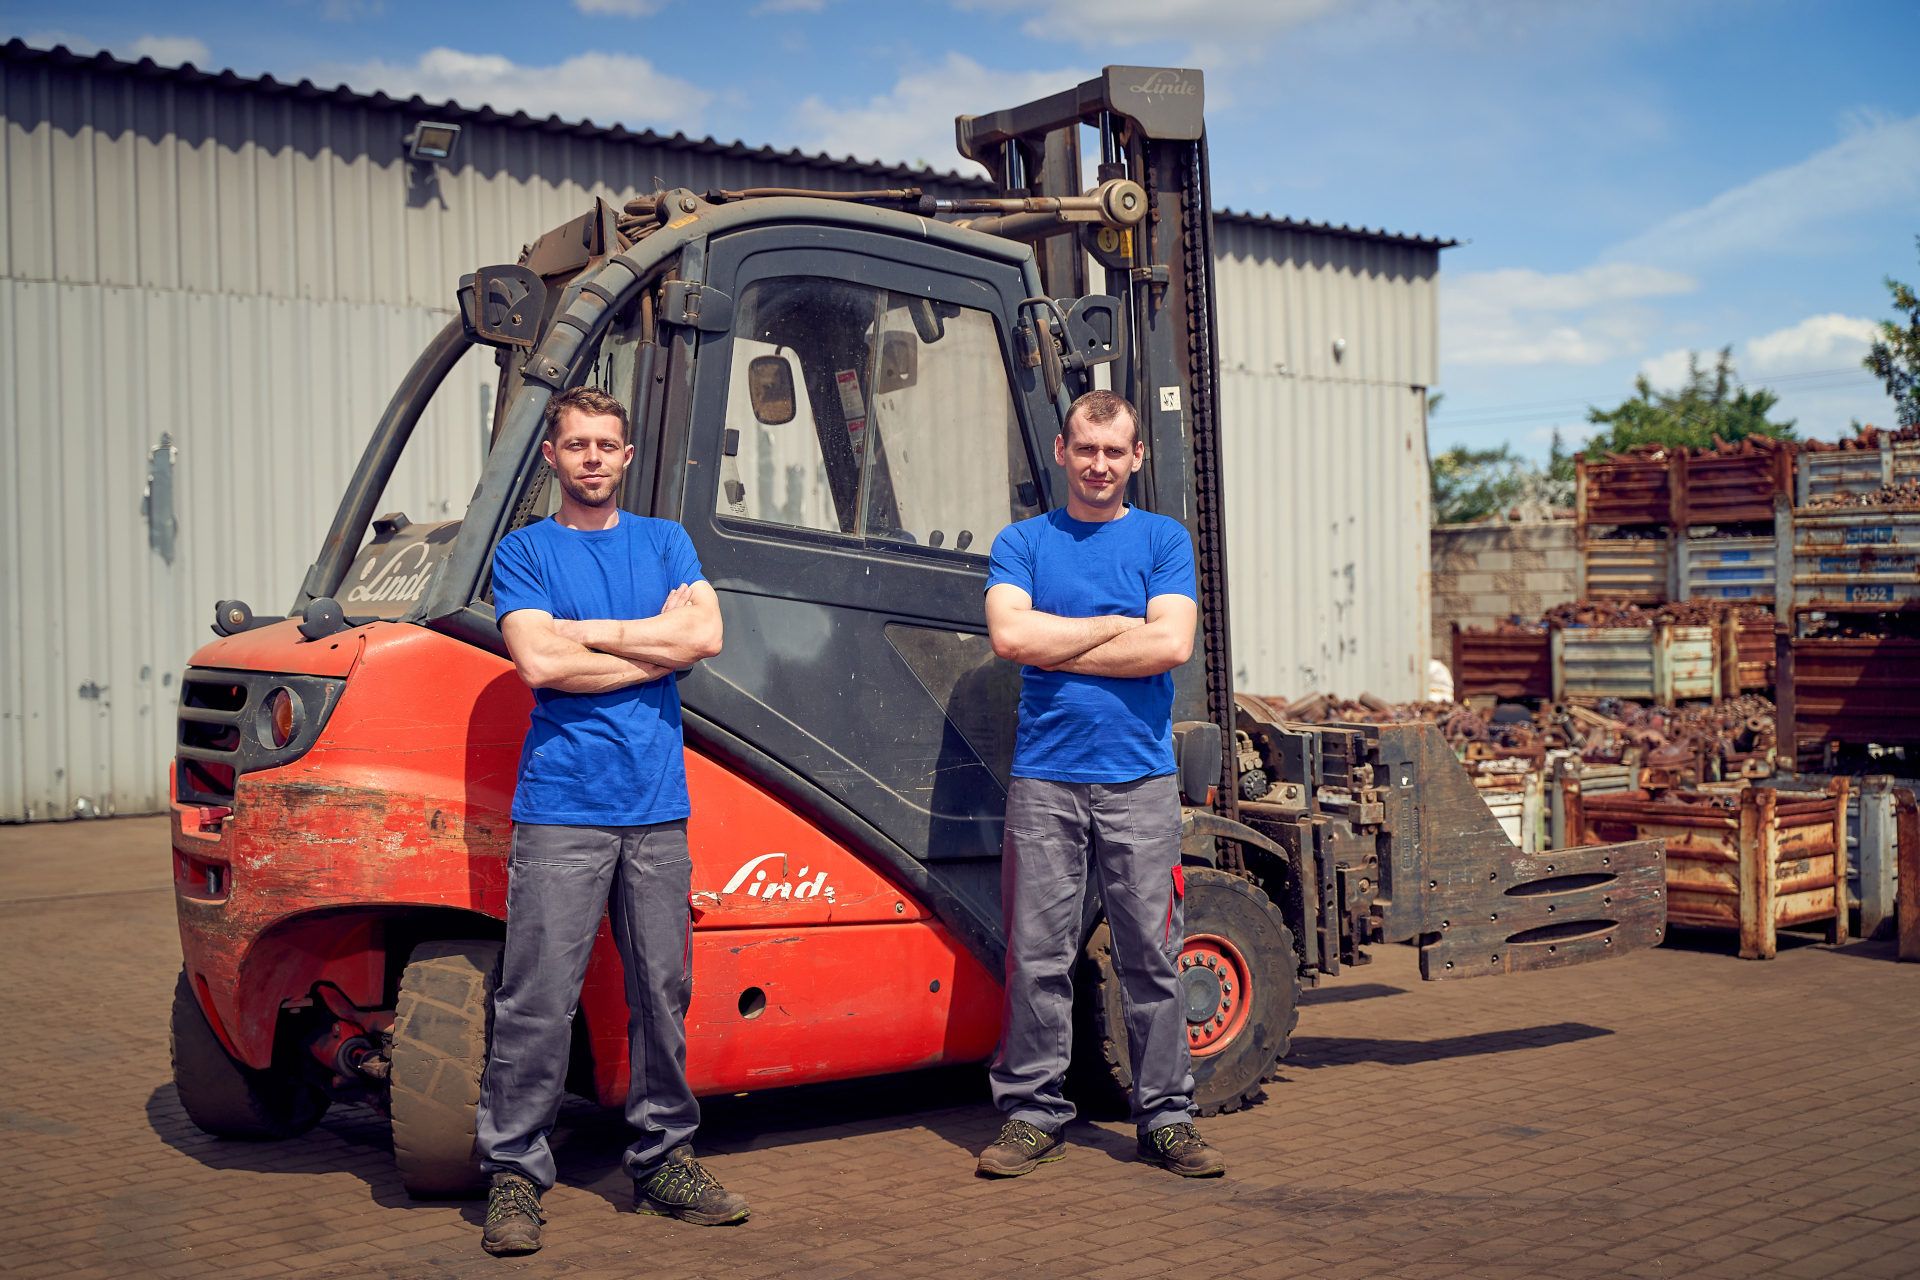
x: 1674, y: 1113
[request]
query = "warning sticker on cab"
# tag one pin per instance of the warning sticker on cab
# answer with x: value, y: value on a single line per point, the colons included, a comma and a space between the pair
x: 852, y: 403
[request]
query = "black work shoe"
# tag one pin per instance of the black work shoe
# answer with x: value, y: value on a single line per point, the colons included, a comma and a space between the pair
x: 1180, y: 1147
x: 1020, y: 1148
x: 513, y: 1215
x: 681, y: 1189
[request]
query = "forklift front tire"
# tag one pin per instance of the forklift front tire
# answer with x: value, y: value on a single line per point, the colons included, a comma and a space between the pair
x: 442, y: 1025
x: 229, y: 1099
x: 1240, y: 983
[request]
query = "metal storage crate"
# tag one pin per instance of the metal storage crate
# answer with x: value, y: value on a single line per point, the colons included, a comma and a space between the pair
x: 1873, y: 846
x: 1732, y: 484
x: 1824, y: 472
x: 1727, y: 568
x: 1849, y: 559
x: 1851, y: 689
x: 1632, y: 570
x: 1755, y: 861
x: 1625, y: 490
x: 1665, y: 664
x: 1571, y: 776
x: 1507, y: 664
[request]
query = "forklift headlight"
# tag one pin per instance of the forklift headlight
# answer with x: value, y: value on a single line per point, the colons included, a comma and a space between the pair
x: 278, y: 719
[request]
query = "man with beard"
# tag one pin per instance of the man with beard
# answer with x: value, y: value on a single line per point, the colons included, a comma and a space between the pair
x: 599, y: 609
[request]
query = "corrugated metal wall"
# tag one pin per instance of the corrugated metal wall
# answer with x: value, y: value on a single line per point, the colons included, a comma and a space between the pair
x: 1326, y: 457
x: 236, y: 278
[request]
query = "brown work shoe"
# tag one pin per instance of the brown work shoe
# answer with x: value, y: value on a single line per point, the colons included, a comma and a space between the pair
x: 513, y: 1215
x: 681, y: 1189
x: 1180, y: 1147
x: 1020, y: 1148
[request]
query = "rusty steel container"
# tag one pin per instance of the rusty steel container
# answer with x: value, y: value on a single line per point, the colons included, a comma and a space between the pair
x: 1630, y: 570
x: 1732, y: 484
x: 1755, y: 861
x: 1624, y: 490
x: 1506, y: 664
x: 1848, y: 689
x: 1746, y: 654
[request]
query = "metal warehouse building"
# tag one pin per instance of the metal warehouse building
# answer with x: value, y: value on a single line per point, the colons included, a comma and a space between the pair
x: 210, y: 284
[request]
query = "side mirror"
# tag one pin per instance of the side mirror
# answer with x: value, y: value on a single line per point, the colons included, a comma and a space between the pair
x: 770, y: 388
x: 899, y: 362
x: 930, y: 318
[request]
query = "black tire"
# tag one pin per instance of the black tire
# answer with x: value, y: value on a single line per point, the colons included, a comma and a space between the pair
x: 1261, y: 1030
x: 441, y: 1028
x: 229, y: 1099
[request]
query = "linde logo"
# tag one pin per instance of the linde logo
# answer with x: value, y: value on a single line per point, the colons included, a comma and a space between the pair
x: 1166, y: 84
x: 753, y: 875
x: 389, y: 582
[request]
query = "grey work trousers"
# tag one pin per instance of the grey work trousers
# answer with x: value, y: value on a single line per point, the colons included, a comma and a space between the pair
x: 1133, y: 832
x: 559, y: 882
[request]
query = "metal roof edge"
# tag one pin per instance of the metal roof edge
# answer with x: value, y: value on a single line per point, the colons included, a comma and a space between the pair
x: 1332, y: 229
x: 19, y: 51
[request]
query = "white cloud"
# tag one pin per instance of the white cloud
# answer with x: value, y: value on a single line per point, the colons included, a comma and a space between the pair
x: 1521, y: 317
x: 912, y: 122
x: 1232, y: 23
x: 791, y: 6
x: 606, y: 88
x: 1668, y: 371
x: 171, y: 51
x: 1875, y: 167
x: 621, y: 8
x: 168, y: 51
x: 1818, y: 342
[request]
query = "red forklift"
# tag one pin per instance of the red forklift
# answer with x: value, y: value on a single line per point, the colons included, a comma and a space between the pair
x: 842, y: 397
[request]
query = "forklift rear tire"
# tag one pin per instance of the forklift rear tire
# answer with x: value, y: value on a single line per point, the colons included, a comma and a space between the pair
x: 1241, y: 982
x: 229, y: 1099
x: 442, y: 1025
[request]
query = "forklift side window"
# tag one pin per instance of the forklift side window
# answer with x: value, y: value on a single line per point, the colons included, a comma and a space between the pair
x: 899, y: 432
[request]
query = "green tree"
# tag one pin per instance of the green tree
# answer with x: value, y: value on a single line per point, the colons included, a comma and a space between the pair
x: 1472, y: 484
x: 1894, y: 357
x: 1711, y: 403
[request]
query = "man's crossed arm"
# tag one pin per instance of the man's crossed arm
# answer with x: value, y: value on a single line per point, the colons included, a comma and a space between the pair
x: 1101, y: 646
x: 600, y: 655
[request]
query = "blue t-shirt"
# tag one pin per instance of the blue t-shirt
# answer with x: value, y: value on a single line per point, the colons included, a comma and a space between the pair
x: 1076, y: 728
x: 599, y: 759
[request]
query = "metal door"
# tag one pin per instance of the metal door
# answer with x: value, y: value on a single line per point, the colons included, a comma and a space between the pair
x: 846, y: 524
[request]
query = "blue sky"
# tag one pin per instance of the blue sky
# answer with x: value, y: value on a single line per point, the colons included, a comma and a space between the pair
x: 1631, y: 179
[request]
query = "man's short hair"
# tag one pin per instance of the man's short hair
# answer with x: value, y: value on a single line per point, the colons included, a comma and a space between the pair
x: 591, y: 401
x: 1100, y: 406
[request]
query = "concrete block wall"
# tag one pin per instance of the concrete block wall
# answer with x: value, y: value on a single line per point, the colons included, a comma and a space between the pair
x: 1485, y: 573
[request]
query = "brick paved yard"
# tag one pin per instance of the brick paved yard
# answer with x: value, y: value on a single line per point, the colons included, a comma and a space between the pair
x: 1679, y: 1113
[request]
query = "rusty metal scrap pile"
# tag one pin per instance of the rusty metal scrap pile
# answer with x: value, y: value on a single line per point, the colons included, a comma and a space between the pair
x: 1904, y: 494
x: 1693, y: 743
x: 1686, y: 613
x: 1868, y: 440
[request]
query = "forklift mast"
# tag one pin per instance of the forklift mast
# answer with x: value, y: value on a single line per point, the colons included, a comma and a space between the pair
x: 1362, y: 833
x: 1148, y: 124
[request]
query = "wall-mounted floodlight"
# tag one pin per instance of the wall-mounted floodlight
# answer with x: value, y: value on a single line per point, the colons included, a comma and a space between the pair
x: 432, y: 142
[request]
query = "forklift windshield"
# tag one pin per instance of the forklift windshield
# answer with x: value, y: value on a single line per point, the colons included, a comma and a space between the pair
x: 879, y: 438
